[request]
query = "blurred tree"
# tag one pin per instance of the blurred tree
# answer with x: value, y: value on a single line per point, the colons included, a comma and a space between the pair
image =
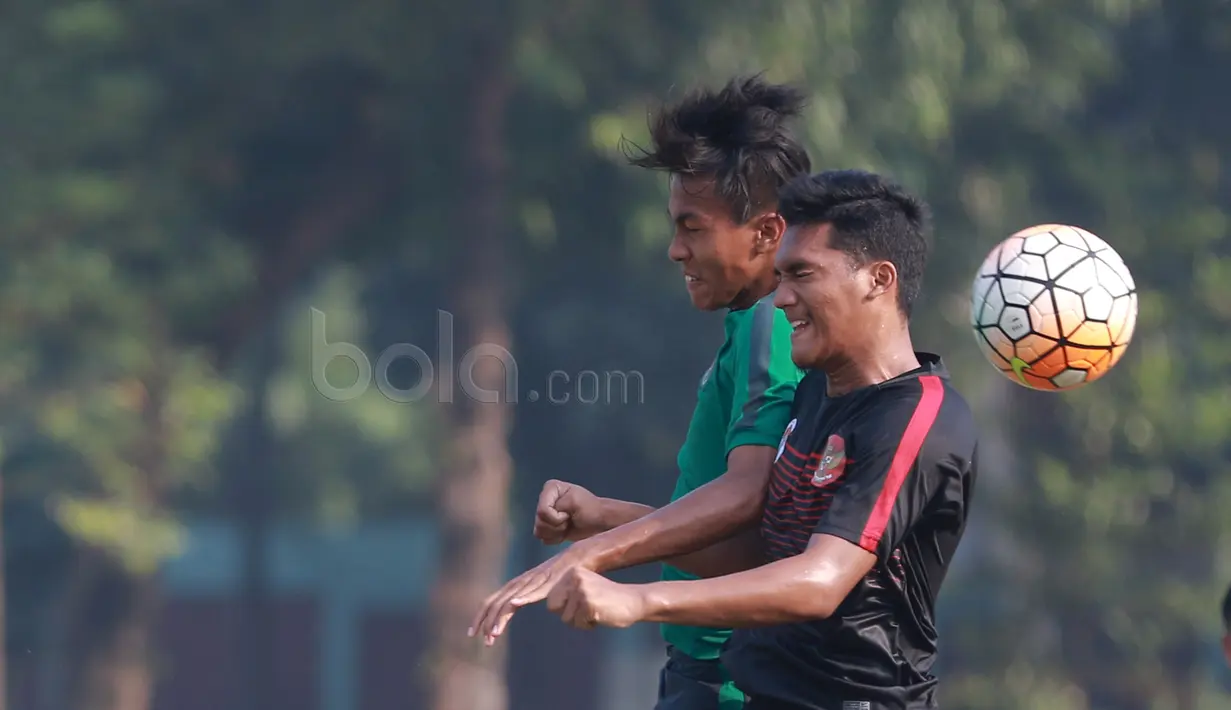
x: 181, y: 185
x: 477, y: 469
x: 143, y: 251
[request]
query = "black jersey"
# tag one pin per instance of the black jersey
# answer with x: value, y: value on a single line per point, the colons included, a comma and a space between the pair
x: 891, y: 468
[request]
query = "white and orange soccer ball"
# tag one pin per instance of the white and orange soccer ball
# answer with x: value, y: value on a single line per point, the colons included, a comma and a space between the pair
x: 1053, y: 307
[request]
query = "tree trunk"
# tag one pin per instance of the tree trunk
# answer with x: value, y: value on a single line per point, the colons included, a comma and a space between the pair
x: 253, y: 503
x: 125, y: 678
x: 106, y: 646
x: 473, y: 492
x: 119, y: 609
x: 68, y: 638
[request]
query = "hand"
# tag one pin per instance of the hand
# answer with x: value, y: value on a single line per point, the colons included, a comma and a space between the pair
x: 530, y: 587
x: 567, y: 511
x: 585, y: 599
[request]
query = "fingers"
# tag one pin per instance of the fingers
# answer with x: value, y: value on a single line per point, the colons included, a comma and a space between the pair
x: 502, y: 616
x: 577, y: 611
x: 496, y: 614
x: 548, y: 497
x: 551, y: 525
x: 477, y: 624
x: 572, y: 610
x: 498, y: 609
x: 550, y: 534
x: 494, y: 605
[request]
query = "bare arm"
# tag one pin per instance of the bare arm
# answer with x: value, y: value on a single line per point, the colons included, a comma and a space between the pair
x: 569, y: 512
x: 742, y: 551
x: 563, y: 515
x: 711, y: 514
x: 737, y: 553
x: 621, y: 512
x: 802, y: 588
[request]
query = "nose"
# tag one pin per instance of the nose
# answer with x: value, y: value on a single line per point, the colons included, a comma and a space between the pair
x: 784, y: 296
x: 676, y: 250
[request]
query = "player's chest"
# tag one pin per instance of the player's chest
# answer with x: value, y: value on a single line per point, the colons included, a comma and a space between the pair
x: 811, y: 465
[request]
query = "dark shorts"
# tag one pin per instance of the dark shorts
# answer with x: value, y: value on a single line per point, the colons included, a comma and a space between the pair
x: 765, y: 704
x: 686, y: 683
x: 755, y: 703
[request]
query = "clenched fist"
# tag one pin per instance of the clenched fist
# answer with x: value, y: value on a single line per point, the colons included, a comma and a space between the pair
x: 567, y: 511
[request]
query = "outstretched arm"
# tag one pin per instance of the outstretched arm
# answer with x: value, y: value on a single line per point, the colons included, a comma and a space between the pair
x: 737, y: 553
x: 882, y: 493
x: 801, y: 588
x: 743, y: 551
x: 764, y: 381
x: 622, y: 512
x: 567, y: 511
x: 711, y: 514
x: 806, y: 587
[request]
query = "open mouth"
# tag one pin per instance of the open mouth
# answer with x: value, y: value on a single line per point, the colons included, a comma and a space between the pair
x: 798, y: 326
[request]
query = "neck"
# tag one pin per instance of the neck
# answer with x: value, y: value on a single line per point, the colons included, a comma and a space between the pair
x: 880, y: 360
x: 759, y: 288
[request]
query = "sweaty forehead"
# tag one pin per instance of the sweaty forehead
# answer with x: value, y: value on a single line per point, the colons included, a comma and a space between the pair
x: 694, y: 196
x: 804, y: 245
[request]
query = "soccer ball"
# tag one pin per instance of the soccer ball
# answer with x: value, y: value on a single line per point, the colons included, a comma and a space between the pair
x: 1053, y: 307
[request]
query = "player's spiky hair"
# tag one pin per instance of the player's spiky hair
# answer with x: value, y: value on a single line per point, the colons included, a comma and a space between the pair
x: 872, y: 218
x: 737, y: 135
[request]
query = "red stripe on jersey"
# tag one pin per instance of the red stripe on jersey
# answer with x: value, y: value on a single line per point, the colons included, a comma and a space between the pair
x: 903, y: 460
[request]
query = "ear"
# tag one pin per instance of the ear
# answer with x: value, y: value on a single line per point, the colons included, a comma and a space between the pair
x: 884, y: 278
x: 770, y: 227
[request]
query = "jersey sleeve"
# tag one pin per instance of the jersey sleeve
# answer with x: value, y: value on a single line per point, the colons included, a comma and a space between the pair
x: 764, y: 378
x: 884, y: 487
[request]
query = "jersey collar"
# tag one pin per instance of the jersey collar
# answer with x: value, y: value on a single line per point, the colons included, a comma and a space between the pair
x: 929, y: 364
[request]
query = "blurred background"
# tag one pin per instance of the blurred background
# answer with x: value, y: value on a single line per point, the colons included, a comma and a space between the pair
x: 249, y: 249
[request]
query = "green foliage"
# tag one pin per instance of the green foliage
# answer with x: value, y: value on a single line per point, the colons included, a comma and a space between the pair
x: 162, y: 160
x: 141, y: 541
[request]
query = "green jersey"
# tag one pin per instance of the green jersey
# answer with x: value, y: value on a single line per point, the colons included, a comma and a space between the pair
x: 744, y: 400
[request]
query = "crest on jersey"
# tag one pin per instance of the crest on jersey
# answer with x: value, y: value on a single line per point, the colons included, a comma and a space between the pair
x: 790, y: 427
x: 833, y: 462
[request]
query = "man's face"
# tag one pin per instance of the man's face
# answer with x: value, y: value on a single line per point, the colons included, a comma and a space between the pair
x: 721, y: 259
x: 829, y: 300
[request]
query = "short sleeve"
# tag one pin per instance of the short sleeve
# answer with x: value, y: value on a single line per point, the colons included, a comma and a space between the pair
x: 764, y: 378
x: 884, y: 486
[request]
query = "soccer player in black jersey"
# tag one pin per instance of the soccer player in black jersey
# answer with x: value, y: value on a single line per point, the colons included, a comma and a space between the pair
x: 833, y: 602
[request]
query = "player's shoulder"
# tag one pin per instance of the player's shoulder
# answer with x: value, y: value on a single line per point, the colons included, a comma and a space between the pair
x: 754, y: 328
x: 811, y: 387
x: 927, y: 394
x: 760, y: 319
x: 760, y: 336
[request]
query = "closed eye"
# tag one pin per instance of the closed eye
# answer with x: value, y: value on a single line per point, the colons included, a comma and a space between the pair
x: 793, y: 274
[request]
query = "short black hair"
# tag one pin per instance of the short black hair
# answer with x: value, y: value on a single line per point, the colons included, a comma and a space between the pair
x: 737, y: 135
x: 1226, y: 611
x: 872, y: 218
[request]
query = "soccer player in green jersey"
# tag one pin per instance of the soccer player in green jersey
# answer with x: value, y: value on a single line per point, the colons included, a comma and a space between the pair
x: 727, y: 152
